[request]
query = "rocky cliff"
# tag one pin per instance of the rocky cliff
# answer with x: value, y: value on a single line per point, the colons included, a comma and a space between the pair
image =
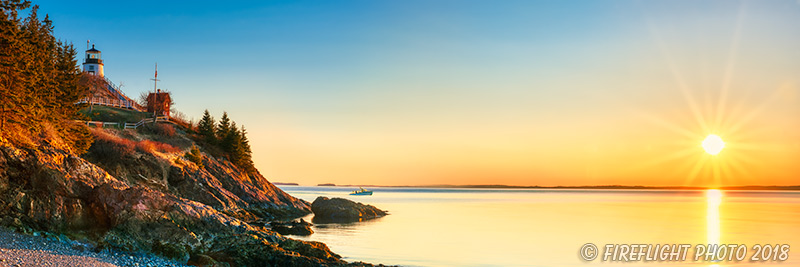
x: 152, y: 200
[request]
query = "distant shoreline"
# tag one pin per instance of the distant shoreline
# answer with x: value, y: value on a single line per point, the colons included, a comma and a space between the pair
x: 279, y: 183
x: 621, y: 187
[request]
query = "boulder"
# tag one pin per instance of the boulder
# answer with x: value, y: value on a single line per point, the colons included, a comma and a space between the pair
x: 343, y: 210
x: 292, y: 228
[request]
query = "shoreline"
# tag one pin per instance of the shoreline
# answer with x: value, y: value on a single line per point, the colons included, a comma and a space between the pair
x: 18, y: 249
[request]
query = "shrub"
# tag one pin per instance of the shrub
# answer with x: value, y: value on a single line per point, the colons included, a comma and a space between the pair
x: 160, y: 129
x: 195, y: 156
x: 181, y: 120
x: 108, y: 146
x: 78, y: 137
x: 164, y: 129
x: 151, y: 146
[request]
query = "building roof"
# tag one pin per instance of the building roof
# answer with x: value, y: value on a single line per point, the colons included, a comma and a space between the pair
x: 92, y: 50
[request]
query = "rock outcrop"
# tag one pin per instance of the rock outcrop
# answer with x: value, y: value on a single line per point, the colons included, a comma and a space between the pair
x: 159, y: 204
x: 300, y: 227
x: 343, y: 210
x: 214, y: 182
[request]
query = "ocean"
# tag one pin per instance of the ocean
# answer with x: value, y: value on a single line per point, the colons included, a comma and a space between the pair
x: 549, y: 227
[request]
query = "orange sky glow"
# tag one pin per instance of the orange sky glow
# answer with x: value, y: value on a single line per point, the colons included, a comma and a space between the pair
x: 634, y: 117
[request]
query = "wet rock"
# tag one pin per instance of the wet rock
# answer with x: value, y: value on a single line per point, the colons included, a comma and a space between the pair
x: 253, y: 250
x: 300, y: 227
x: 202, y: 260
x: 343, y: 210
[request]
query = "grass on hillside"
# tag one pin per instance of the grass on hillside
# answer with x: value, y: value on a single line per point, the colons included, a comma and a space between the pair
x: 111, y: 114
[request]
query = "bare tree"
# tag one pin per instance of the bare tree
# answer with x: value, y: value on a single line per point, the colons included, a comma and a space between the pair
x: 95, y: 85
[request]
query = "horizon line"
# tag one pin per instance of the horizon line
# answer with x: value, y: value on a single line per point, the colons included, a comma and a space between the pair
x: 631, y: 187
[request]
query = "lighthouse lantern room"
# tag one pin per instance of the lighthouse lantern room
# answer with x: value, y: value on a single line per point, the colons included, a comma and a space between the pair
x: 93, y: 64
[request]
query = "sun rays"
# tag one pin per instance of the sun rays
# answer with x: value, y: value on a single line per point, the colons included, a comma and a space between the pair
x: 721, y: 115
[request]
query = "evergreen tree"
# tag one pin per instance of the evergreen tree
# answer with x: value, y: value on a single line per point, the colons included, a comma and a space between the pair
x: 224, y: 126
x: 38, y: 79
x: 205, y: 128
x: 245, y: 158
x: 36, y: 65
x: 228, y: 143
x: 12, y: 80
x: 238, y: 148
x: 67, y: 92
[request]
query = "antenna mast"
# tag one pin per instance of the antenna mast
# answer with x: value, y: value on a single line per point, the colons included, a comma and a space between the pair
x: 155, y: 91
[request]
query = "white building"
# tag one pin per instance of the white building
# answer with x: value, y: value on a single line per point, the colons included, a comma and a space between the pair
x: 93, y: 63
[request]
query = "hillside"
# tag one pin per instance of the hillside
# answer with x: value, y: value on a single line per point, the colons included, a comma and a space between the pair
x: 111, y: 114
x: 135, y: 190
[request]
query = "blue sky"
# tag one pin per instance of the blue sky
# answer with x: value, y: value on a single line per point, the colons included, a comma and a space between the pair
x: 415, y: 92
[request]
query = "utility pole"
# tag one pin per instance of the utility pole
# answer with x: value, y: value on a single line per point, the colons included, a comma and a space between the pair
x: 155, y: 91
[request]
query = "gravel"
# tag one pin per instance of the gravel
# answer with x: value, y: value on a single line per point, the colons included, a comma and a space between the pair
x: 19, y: 250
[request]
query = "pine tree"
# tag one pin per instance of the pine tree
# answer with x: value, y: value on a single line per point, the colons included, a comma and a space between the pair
x: 12, y: 81
x: 228, y: 143
x: 224, y: 126
x: 69, y: 91
x: 39, y: 79
x: 205, y: 128
x: 245, y: 158
x: 34, y: 65
x: 238, y: 148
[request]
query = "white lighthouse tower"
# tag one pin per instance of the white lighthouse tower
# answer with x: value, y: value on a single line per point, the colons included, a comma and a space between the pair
x: 93, y: 64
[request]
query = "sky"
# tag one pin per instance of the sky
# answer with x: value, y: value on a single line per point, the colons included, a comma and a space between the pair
x: 473, y: 92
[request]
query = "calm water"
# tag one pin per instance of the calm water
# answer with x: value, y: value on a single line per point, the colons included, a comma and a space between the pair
x: 482, y: 227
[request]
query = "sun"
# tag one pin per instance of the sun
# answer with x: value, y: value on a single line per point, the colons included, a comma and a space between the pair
x: 713, y: 144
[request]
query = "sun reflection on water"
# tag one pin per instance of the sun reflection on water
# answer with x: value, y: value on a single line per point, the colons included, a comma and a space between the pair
x: 714, y: 199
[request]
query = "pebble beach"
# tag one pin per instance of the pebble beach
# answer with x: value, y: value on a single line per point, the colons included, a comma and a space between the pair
x: 20, y: 250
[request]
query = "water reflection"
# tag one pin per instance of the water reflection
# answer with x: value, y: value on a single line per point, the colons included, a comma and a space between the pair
x: 454, y: 227
x: 714, y: 199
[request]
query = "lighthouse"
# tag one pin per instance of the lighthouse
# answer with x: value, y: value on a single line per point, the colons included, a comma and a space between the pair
x: 93, y: 64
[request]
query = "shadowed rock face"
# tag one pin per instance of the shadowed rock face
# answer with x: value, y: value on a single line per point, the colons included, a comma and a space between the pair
x: 188, y: 212
x: 292, y: 228
x: 343, y: 210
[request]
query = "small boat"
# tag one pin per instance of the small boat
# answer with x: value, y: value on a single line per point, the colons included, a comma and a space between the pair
x: 362, y: 192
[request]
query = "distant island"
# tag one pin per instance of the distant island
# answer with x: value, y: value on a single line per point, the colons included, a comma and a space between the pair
x: 277, y: 183
x: 326, y: 185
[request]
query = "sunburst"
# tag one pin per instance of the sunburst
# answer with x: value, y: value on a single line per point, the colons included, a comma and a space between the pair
x: 710, y: 123
x: 713, y: 144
